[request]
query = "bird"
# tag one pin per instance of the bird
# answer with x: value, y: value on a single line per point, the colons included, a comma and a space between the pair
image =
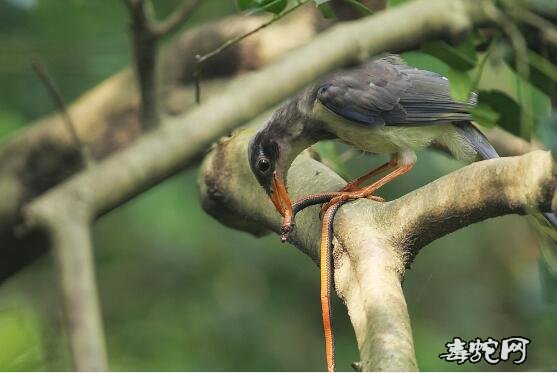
x: 383, y: 106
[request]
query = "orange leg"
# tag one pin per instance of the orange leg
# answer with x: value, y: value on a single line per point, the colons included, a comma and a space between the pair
x: 368, y: 191
x: 327, y: 196
x: 354, y: 184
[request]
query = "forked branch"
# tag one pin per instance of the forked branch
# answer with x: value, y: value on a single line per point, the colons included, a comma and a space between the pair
x: 67, y: 223
x: 146, y: 32
x: 375, y: 242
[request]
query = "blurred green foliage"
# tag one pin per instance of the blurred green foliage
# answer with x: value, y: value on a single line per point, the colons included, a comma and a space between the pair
x: 272, y: 6
x: 21, y: 342
x: 181, y: 292
x: 278, y: 7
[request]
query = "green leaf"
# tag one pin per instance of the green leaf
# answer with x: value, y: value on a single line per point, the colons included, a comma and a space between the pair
x: 271, y: 6
x: 330, y: 157
x: 485, y: 115
x: 396, y: 2
x: 548, y: 278
x: 546, y: 7
x: 356, y: 4
x: 245, y: 4
x: 9, y: 123
x: 461, y: 57
x: 460, y: 83
x: 274, y: 6
x: 543, y: 73
x: 22, y: 348
x: 509, y: 110
x: 502, y: 78
x: 547, y: 132
x: 326, y: 10
x: 481, y: 41
x: 425, y: 61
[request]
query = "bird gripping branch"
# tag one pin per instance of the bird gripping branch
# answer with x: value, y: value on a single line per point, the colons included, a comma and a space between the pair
x: 381, y: 107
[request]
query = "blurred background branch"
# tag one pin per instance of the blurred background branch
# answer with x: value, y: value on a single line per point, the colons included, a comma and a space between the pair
x: 67, y: 224
x: 146, y: 32
x: 58, y: 102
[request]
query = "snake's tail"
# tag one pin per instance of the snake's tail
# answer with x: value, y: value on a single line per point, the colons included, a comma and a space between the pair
x: 326, y: 271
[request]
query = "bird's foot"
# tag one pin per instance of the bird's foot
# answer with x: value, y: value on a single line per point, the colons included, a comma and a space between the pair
x: 350, y: 196
x: 354, y: 186
x: 320, y: 198
x: 310, y: 200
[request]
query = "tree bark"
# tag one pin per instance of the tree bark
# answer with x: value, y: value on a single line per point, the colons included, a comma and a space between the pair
x: 106, y: 118
x: 164, y: 151
x: 375, y: 242
x: 67, y: 224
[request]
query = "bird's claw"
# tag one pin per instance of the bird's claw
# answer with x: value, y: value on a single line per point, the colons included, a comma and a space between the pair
x: 347, y: 197
x: 376, y: 198
x: 288, y: 220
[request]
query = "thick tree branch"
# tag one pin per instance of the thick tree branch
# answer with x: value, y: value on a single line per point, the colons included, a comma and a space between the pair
x: 508, y: 144
x: 368, y: 268
x: 167, y: 149
x: 66, y: 221
x: 513, y: 185
x: 376, y: 241
x: 106, y: 118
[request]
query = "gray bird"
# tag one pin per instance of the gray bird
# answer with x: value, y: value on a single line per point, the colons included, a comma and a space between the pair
x: 382, y: 107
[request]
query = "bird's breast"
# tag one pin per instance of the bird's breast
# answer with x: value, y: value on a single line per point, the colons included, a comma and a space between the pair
x: 378, y: 139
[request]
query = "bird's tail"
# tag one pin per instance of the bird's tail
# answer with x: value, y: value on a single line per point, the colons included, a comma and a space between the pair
x: 477, y: 139
x: 486, y: 150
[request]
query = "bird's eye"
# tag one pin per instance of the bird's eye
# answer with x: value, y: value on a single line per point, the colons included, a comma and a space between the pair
x: 263, y: 165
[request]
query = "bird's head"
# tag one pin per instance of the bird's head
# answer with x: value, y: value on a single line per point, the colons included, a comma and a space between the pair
x: 268, y: 159
x: 272, y: 150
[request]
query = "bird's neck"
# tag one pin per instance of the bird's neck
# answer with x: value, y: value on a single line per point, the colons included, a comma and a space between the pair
x: 296, y: 127
x: 301, y: 135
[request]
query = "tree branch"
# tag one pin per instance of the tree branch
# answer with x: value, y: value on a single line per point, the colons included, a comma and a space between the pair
x: 508, y: 144
x: 145, y: 49
x: 375, y: 242
x: 106, y: 118
x: 229, y: 43
x: 164, y: 151
x: 513, y: 185
x: 58, y: 102
x: 146, y: 33
x: 66, y: 221
x: 177, y: 18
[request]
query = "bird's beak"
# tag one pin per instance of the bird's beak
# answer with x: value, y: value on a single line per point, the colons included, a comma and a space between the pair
x: 279, y: 196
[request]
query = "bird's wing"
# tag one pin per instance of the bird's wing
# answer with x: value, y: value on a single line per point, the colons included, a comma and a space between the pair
x: 388, y: 92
